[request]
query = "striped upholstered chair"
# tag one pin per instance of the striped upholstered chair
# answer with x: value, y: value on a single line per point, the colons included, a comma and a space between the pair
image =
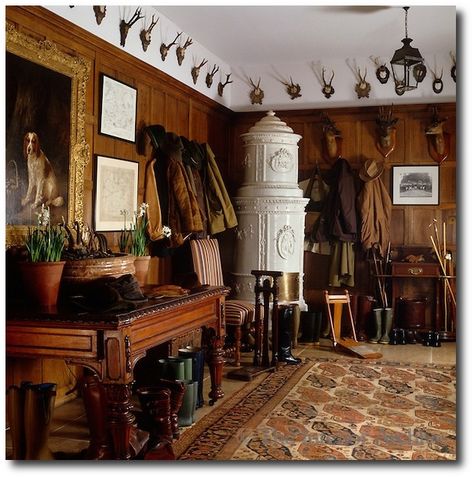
x: 239, y: 314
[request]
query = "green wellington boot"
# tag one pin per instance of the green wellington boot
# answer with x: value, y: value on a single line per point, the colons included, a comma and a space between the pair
x: 377, y: 315
x: 387, y: 319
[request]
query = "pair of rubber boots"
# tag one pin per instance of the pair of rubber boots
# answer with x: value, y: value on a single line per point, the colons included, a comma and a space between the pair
x: 383, y: 320
x: 30, y: 411
x: 181, y: 369
x: 285, y: 318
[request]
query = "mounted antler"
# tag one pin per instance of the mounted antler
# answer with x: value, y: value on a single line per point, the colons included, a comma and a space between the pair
x: 100, y: 12
x: 145, y: 34
x: 328, y: 89
x: 181, y: 50
x: 440, y: 141
x: 196, y: 69
x: 220, y: 86
x: 382, y: 72
x: 438, y: 82
x: 125, y: 26
x: 257, y: 94
x: 453, y: 68
x: 386, y: 130
x: 293, y: 89
x: 362, y: 88
x: 210, y: 76
x: 164, y: 49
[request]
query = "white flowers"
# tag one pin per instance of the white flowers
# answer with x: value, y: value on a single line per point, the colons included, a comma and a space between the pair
x: 166, y: 231
x: 43, y: 216
x: 142, y: 211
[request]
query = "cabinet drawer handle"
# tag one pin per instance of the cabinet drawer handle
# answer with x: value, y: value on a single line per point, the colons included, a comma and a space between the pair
x: 415, y: 271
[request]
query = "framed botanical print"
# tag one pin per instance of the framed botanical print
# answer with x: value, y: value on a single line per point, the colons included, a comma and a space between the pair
x: 116, y: 191
x: 118, y: 109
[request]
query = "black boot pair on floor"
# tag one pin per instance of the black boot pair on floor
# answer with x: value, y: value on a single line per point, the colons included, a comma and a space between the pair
x: 431, y: 339
x: 402, y: 337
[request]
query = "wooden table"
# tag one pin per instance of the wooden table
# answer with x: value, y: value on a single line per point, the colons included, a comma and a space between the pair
x: 110, y: 344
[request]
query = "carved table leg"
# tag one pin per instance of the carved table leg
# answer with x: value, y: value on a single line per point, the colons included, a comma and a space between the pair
x: 215, y: 360
x: 120, y: 418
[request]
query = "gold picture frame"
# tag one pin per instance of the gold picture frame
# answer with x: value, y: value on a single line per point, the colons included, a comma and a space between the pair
x: 46, y: 54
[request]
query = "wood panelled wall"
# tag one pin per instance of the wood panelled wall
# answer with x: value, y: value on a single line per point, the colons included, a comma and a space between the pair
x: 161, y: 100
x: 358, y: 127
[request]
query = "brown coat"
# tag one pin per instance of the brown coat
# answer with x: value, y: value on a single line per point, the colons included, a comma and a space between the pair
x: 375, y: 209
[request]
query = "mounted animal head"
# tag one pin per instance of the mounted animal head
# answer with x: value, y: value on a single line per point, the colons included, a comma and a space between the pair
x: 453, y: 68
x: 257, y: 94
x: 210, y: 76
x: 386, y: 130
x: 435, y: 130
x: 125, y: 26
x: 181, y: 50
x: 195, y: 70
x: 100, y: 11
x: 328, y: 89
x: 362, y: 88
x: 220, y: 86
x: 330, y: 133
x: 164, y: 49
x: 145, y: 34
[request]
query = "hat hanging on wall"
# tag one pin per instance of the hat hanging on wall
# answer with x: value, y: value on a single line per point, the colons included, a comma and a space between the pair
x: 371, y: 170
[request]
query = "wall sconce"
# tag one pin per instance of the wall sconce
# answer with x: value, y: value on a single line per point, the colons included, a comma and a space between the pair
x: 407, y: 64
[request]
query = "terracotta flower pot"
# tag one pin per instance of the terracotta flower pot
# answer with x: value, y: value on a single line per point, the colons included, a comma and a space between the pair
x: 142, y: 263
x: 42, y: 280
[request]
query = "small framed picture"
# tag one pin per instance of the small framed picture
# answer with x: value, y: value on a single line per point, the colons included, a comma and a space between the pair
x: 118, y: 109
x: 116, y: 182
x: 415, y: 185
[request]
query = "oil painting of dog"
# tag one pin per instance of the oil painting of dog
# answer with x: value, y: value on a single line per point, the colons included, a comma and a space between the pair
x: 42, y: 182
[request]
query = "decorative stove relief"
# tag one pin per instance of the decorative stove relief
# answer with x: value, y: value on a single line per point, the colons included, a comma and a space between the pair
x: 281, y: 161
x: 286, y: 241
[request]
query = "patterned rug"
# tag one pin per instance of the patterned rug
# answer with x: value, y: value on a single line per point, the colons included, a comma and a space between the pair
x: 333, y: 409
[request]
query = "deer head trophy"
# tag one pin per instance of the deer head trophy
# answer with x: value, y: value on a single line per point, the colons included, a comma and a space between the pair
x: 382, y: 72
x: 181, y: 50
x: 453, y: 68
x: 386, y: 131
x: 125, y: 26
x: 210, y: 76
x: 257, y: 94
x: 328, y: 89
x: 293, y: 89
x: 164, y: 49
x: 332, y: 139
x: 362, y: 88
x: 100, y: 11
x: 145, y: 34
x: 438, y: 140
x: 220, y: 86
x: 195, y: 70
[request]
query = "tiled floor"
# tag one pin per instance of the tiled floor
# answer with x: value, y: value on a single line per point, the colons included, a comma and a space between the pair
x: 69, y: 432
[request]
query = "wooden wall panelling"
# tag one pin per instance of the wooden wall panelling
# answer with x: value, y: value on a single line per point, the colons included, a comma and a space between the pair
x: 161, y: 100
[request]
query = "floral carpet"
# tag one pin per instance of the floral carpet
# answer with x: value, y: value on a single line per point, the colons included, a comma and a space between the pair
x: 333, y: 409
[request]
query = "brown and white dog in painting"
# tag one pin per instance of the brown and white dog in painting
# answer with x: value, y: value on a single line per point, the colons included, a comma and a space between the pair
x: 42, y: 183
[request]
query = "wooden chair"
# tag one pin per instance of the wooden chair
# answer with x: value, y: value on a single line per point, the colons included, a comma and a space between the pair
x: 239, y: 314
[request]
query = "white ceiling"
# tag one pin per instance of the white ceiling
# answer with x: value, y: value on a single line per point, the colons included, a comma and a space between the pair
x: 252, y: 35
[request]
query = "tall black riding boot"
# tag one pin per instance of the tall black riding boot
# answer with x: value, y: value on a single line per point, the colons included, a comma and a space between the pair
x: 285, y: 315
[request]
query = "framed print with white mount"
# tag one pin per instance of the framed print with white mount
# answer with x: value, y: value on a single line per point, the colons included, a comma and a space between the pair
x: 118, y: 109
x: 415, y: 185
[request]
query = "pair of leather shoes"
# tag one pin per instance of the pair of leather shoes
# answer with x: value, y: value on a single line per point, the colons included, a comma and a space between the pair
x: 431, y: 339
